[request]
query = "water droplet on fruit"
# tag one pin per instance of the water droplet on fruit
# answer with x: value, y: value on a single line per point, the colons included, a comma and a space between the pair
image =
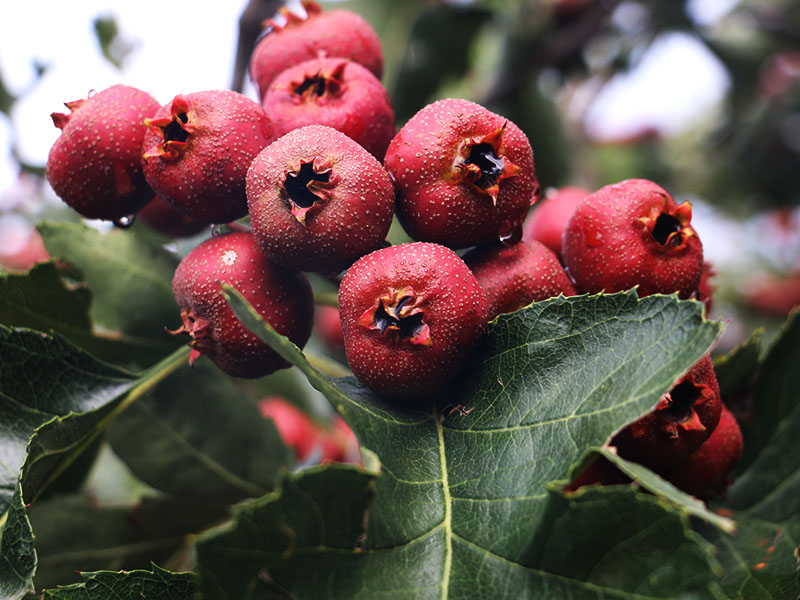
x: 536, y: 195
x: 510, y: 233
x: 124, y: 222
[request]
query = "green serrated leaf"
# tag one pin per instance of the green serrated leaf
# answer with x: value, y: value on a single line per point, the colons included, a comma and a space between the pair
x: 130, y: 279
x: 158, y: 584
x: 55, y: 399
x: 197, y: 436
x: 41, y: 299
x: 73, y: 534
x: 463, y: 493
x: 320, y: 511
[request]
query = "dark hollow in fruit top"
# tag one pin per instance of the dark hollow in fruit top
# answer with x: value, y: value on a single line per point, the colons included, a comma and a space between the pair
x: 317, y: 82
x: 296, y: 185
x: 683, y: 396
x: 491, y: 166
x: 174, y: 132
x: 664, y: 227
x: 409, y: 326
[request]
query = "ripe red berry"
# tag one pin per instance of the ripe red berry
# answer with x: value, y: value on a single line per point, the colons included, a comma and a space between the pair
x: 281, y: 296
x: 410, y: 314
x: 335, y: 33
x: 159, y: 215
x: 329, y: 327
x: 633, y: 233
x: 550, y: 215
x: 706, y: 473
x: 464, y: 175
x: 682, y: 420
x: 318, y: 200
x: 335, y: 92
x: 197, y: 151
x: 514, y: 276
x: 95, y: 164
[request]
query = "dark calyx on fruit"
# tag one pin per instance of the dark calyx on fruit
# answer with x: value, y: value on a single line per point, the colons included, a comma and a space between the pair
x: 321, y: 84
x: 482, y: 163
x: 671, y: 230
x: 306, y: 188
x: 678, y: 405
x: 174, y: 132
x: 397, y: 315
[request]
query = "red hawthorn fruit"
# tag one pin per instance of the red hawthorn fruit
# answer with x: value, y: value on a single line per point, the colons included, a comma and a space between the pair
x: 705, y: 289
x: 281, y: 296
x: 464, y: 175
x: 633, y: 233
x: 335, y: 92
x: 550, y: 215
x: 197, y: 151
x: 329, y: 326
x: 336, y: 443
x: 682, y: 420
x: 514, y: 276
x: 706, y: 472
x: 410, y: 314
x: 160, y: 216
x: 95, y: 164
x: 335, y: 33
x: 318, y: 200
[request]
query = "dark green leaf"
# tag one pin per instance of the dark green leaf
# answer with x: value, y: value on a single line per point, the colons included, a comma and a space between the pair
x: 129, y: 585
x: 463, y: 496
x: 42, y: 300
x: 130, y: 279
x: 54, y: 401
x: 197, y: 436
x: 115, y: 47
x: 764, y: 500
x: 74, y: 535
x: 735, y: 369
x: 319, y: 512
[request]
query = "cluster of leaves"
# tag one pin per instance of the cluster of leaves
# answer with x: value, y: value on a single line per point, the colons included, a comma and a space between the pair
x: 457, y: 497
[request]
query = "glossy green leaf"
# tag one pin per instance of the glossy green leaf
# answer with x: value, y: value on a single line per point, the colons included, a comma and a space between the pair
x: 42, y: 300
x: 73, y: 534
x: 130, y: 278
x: 158, y: 584
x: 197, y: 436
x: 462, y: 500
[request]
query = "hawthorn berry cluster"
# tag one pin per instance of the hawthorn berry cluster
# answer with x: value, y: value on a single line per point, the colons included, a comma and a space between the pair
x: 321, y: 171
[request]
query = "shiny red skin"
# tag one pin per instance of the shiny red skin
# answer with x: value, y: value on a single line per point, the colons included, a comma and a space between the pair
x: 352, y: 212
x: 436, y: 205
x: 706, y: 473
x: 335, y: 33
x: 443, y: 290
x: 283, y: 297
x: 95, y: 164
x: 160, y: 216
x: 608, y: 244
x: 546, y: 222
x: 352, y: 100
x: 659, y: 440
x: 204, y: 178
x: 514, y: 276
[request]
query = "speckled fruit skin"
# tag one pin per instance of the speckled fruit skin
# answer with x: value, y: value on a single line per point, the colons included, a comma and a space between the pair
x: 410, y: 314
x: 549, y: 217
x: 197, y: 151
x: 318, y: 200
x: 281, y: 296
x: 633, y: 233
x: 442, y: 196
x: 335, y: 92
x: 160, y: 216
x: 95, y: 164
x: 335, y: 33
x: 514, y: 276
x: 706, y: 473
x: 682, y: 420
